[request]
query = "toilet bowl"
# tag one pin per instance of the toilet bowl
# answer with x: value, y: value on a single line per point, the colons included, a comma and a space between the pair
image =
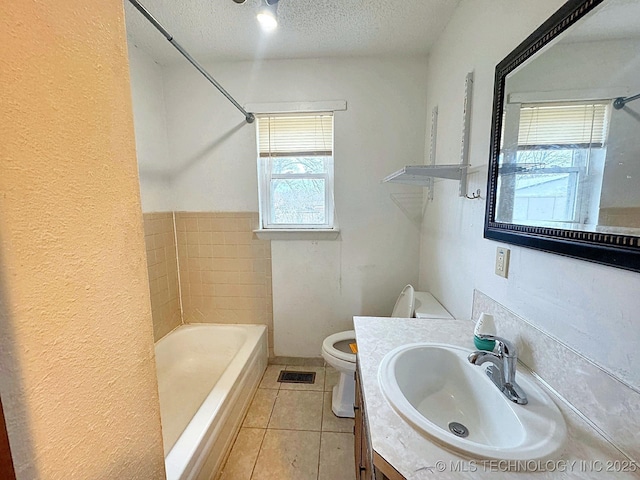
x: 338, y: 354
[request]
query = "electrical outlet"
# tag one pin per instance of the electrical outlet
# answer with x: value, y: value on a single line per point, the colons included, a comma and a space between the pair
x: 502, y: 261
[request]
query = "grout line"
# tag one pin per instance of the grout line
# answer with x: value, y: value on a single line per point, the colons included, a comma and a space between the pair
x: 273, y: 407
x: 298, y: 390
x: 321, y: 424
x: 253, y: 469
x: 324, y: 385
x: 224, y: 465
x: 175, y: 239
x: 296, y: 430
x: 319, y: 450
x: 266, y: 429
x: 322, y: 412
x: 221, y: 472
x: 300, y: 430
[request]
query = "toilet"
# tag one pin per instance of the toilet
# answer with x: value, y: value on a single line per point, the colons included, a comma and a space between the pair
x: 337, y: 353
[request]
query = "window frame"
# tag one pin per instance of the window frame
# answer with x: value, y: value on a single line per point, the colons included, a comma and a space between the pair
x: 578, y: 174
x: 266, y: 175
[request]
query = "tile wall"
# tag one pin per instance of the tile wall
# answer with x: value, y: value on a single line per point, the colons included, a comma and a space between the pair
x: 163, y: 272
x: 224, y: 270
x: 620, y: 217
x: 607, y: 403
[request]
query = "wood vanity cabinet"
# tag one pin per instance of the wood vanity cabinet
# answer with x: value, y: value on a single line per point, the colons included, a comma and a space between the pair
x: 369, y: 465
x: 363, y: 454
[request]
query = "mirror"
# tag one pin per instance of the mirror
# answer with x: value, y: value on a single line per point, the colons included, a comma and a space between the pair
x: 564, y: 172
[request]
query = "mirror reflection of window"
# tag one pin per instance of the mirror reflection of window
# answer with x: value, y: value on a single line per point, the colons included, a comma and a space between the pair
x: 552, y: 162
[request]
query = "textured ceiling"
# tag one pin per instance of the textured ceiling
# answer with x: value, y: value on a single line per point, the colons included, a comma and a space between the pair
x: 224, y: 30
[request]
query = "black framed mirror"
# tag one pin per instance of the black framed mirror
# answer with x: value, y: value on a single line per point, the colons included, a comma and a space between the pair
x: 564, y: 168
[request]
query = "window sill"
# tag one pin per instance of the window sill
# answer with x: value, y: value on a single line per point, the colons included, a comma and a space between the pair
x: 297, y: 234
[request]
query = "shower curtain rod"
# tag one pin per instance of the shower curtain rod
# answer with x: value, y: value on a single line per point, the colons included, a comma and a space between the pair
x: 620, y: 102
x: 250, y: 117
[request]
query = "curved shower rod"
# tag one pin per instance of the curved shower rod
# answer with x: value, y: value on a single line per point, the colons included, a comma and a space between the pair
x: 250, y: 117
x: 620, y: 102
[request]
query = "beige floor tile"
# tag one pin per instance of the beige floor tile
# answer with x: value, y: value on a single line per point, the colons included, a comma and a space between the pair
x: 331, y: 423
x: 337, y: 460
x: 296, y: 410
x: 288, y: 455
x: 317, y: 385
x: 243, y: 455
x: 270, y: 377
x: 260, y: 409
x: 330, y: 378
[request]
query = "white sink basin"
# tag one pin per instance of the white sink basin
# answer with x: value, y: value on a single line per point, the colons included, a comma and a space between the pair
x: 432, y: 385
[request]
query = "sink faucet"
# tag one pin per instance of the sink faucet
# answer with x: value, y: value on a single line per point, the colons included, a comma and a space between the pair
x: 502, y: 372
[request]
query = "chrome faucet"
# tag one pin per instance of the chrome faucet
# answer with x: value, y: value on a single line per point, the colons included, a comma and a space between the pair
x: 502, y: 372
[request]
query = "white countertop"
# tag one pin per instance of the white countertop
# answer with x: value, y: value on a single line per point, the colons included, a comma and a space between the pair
x: 585, y: 454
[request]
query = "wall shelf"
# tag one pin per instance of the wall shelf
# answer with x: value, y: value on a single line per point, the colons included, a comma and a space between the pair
x: 420, y: 175
x: 423, y: 175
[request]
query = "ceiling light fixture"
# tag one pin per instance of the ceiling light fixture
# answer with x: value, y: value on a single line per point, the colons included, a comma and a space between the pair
x: 267, y: 15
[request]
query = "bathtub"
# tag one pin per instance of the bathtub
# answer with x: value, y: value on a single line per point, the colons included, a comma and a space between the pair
x: 207, y: 375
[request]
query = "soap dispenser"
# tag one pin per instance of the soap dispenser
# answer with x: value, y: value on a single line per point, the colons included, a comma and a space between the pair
x: 484, y: 326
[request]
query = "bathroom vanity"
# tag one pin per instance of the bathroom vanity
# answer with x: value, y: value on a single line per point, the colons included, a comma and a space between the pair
x: 388, y: 447
x: 369, y: 465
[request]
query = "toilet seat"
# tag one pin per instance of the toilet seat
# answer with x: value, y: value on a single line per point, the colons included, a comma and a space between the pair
x: 343, y: 396
x: 405, y: 303
x: 331, y: 340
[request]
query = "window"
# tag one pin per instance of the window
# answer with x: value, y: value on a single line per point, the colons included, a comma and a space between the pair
x: 558, y: 156
x: 295, y: 171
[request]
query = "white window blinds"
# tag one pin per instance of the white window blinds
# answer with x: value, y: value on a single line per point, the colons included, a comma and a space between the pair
x: 295, y: 135
x: 583, y: 124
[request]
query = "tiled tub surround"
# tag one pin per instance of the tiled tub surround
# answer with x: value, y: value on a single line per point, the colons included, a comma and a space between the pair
x: 609, y: 404
x: 224, y: 270
x: 416, y: 457
x: 162, y: 267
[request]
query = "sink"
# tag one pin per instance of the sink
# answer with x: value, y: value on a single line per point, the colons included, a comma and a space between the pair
x: 440, y: 394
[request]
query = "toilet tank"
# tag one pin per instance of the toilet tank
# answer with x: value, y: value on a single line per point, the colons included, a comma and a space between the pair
x: 426, y: 306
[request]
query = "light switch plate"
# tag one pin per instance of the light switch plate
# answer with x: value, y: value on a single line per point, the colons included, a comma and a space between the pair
x: 502, y: 261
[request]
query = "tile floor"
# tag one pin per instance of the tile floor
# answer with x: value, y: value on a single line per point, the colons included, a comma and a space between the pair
x: 290, y: 432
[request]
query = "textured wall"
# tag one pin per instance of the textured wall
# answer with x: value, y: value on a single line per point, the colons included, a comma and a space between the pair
x: 591, y: 308
x: 162, y: 267
x: 225, y: 271
x: 152, y: 145
x: 317, y: 285
x: 77, y: 375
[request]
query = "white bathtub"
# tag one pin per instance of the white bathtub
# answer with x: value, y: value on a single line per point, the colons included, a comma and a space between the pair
x: 207, y: 375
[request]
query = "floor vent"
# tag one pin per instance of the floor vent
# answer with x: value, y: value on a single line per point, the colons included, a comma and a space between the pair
x: 297, y: 377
